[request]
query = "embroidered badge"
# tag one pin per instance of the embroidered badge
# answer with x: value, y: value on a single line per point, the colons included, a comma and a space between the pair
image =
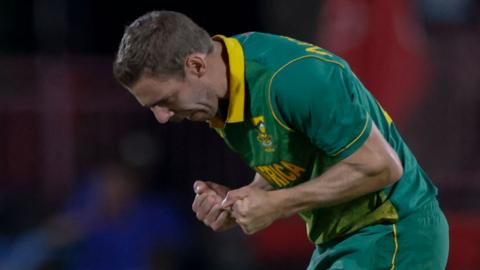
x: 263, y: 137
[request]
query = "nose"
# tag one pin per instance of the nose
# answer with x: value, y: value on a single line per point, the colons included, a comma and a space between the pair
x: 162, y: 114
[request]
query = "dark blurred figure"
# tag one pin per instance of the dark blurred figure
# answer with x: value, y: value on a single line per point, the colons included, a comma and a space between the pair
x: 107, y: 224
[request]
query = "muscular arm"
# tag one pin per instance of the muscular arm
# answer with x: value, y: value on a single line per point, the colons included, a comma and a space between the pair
x: 372, y: 167
x: 331, y: 111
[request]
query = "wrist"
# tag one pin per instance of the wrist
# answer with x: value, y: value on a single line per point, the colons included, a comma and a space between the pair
x: 260, y: 182
x: 283, y: 201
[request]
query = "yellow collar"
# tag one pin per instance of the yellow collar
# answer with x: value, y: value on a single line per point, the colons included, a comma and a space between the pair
x: 236, y: 86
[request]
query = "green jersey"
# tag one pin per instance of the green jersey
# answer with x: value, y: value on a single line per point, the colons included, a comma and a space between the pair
x: 295, y: 110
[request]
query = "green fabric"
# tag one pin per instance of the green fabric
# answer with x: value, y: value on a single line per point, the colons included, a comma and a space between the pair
x: 305, y: 111
x: 419, y: 241
x: 324, y: 108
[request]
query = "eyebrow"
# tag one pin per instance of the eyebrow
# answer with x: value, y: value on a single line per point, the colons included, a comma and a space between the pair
x: 151, y: 104
x: 147, y: 105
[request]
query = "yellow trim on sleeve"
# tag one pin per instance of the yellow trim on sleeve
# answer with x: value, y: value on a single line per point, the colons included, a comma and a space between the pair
x: 356, y: 138
x: 395, y: 240
x: 275, y: 74
x: 387, y: 117
x: 385, y: 114
x: 236, y: 86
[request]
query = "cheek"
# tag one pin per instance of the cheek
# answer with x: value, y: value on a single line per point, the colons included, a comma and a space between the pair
x: 206, y: 95
x: 213, y: 100
x: 199, y: 96
x: 183, y: 101
x: 196, y: 97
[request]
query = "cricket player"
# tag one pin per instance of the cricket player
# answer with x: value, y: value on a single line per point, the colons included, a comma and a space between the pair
x: 321, y: 145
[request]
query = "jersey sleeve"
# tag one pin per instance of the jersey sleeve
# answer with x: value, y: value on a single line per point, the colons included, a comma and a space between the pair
x: 319, y: 99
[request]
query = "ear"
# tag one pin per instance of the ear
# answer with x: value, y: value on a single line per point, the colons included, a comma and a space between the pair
x: 196, y: 64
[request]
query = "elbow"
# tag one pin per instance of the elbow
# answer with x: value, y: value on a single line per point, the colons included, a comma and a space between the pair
x: 396, y: 167
x: 395, y: 173
x: 387, y: 170
x: 393, y: 170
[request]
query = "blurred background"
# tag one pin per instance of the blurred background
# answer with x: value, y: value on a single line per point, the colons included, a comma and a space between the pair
x: 89, y: 180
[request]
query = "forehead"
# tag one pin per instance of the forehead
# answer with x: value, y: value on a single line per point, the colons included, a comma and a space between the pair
x: 149, y: 90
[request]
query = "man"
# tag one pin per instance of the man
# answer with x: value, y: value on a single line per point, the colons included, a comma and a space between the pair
x: 320, y: 143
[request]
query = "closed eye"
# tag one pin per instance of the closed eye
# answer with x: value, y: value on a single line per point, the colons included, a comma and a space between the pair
x: 162, y: 102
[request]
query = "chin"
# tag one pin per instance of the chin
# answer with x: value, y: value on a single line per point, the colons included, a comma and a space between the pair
x: 198, y: 119
x: 200, y: 116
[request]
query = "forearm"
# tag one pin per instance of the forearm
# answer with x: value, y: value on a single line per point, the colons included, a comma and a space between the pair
x: 372, y: 167
x: 339, y: 184
x: 260, y: 182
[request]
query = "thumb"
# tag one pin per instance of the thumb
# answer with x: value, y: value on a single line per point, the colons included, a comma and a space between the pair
x: 233, y: 196
x: 200, y: 187
x: 221, y: 190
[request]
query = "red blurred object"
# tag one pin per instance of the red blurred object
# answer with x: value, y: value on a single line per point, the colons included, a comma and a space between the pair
x: 386, y: 47
x: 285, y: 240
x: 464, y: 241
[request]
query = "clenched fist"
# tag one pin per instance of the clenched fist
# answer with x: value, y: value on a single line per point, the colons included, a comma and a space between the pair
x: 208, y: 205
x: 252, y: 208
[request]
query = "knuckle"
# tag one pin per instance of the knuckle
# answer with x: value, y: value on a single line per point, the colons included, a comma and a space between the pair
x: 215, y: 227
x: 194, y: 207
x: 205, y: 207
x: 207, y: 223
x: 210, y: 218
x: 241, y: 221
x: 211, y: 199
x: 217, y: 208
x: 241, y: 212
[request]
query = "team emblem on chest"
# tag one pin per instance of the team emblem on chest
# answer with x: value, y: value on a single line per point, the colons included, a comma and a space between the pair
x: 263, y: 137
